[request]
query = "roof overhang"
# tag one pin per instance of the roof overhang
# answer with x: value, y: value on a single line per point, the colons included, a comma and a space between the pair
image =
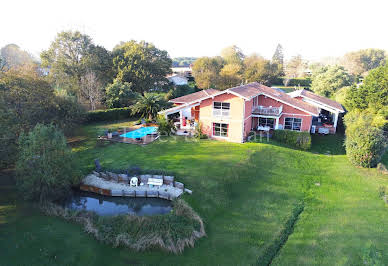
x: 178, y: 108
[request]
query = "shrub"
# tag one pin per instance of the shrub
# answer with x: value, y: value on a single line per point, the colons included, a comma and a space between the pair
x: 108, y: 114
x: 45, y: 168
x: 172, y: 232
x: 165, y: 127
x: 198, y: 132
x: 365, y: 142
x: 297, y: 139
x: 371, y: 255
x: 303, y: 82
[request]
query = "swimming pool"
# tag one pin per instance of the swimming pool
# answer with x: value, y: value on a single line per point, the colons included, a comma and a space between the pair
x: 139, y: 133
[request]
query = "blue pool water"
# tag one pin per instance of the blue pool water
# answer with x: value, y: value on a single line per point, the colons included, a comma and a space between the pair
x: 139, y: 133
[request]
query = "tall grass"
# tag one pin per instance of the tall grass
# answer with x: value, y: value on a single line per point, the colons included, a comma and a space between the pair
x: 172, y: 232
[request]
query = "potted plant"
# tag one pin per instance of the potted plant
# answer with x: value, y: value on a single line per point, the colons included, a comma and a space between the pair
x: 109, y: 133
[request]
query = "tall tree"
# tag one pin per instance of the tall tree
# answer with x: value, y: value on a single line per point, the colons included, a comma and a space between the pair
x: 12, y: 56
x: 259, y: 69
x: 360, y: 62
x: 65, y: 57
x: 232, y: 55
x: 142, y: 64
x: 278, y: 59
x: 206, y: 71
x: 230, y: 76
x: 120, y: 94
x: 330, y: 79
x: 91, y: 89
x: 295, y: 67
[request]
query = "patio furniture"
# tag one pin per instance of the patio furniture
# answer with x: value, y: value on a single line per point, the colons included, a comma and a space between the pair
x: 155, y: 182
x: 134, y: 181
x: 261, y: 128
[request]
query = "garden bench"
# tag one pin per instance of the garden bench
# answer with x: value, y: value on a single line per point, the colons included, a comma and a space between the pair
x: 155, y: 181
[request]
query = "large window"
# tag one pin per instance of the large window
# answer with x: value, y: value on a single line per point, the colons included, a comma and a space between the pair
x: 266, y: 122
x: 220, y: 130
x: 221, y: 109
x: 292, y: 123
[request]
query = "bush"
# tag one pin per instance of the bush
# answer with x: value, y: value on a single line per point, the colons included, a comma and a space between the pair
x: 297, y: 139
x: 198, y: 134
x: 45, y: 168
x: 365, y: 142
x: 165, y: 127
x: 172, y: 232
x: 108, y: 114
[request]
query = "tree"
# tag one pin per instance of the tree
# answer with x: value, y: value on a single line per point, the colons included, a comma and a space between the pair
x: 11, y: 56
x: 91, y: 89
x: 46, y: 168
x: 330, y: 79
x: 372, y: 93
x: 148, y: 105
x: 232, y: 55
x: 295, y: 67
x: 141, y: 64
x: 27, y: 99
x: 365, y: 141
x: 278, y: 59
x: 230, y: 76
x: 258, y: 69
x: 206, y: 71
x: 120, y: 94
x: 360, y: 62
x: 66, y: 59
x: 99, y: 61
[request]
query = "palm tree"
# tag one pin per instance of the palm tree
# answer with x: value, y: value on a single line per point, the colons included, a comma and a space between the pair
x: 148, y: 105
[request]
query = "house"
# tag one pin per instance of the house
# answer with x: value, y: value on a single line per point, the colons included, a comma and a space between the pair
x: 178, y: 80
x: 232, y: 114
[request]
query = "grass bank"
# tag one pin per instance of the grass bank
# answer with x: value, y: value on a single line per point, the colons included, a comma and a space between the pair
x: 245, y: 194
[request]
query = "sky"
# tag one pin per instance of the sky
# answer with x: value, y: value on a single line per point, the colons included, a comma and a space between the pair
x: 312, y: 28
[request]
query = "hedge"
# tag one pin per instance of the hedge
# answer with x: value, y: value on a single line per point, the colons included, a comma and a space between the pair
x: 297, y: 139
x: 108, y: 114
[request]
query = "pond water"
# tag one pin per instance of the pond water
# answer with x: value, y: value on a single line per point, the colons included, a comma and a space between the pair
x: 107, y: 206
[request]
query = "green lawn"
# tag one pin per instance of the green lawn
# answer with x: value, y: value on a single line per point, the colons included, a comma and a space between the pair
x: 243, y: 192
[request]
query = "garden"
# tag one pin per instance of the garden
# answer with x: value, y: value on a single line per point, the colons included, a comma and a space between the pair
x: 248, y: 195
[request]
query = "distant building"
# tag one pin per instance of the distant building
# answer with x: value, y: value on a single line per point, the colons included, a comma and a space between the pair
x: 178, y: 80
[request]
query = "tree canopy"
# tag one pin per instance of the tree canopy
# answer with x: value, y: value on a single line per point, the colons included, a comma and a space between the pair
x: 206, y: 71
x: 360, y: 62
x: 148, y: 105
x: 372, y: 93
x: 141, y: 64
x: 259, y: 69
x: 12, y: 56
x: 327, y: 80
x: 278, y: 59
x: 120, y: 94
x: 295, y: 67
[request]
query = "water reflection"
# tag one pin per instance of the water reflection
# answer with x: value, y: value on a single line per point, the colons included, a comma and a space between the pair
x: 105, y: 206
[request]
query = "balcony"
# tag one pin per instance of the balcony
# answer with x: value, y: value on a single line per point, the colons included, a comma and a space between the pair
x: 268, y: 111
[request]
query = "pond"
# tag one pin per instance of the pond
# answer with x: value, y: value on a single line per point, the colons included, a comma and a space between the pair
x: 108, y: 206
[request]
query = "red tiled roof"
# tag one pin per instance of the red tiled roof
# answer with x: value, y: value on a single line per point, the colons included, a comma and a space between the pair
x: 253, y: 89
x: 195, y: 96
x: 321, y: 99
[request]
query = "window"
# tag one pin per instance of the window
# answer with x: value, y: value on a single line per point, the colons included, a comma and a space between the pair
x: 221, y: 109
x: 292, y: 123
x: 220, y: 130
x: 266, y: 122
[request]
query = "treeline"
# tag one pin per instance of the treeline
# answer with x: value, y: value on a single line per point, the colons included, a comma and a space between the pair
x: 183, y: 61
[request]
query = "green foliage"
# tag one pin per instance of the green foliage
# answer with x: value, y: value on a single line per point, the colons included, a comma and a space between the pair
x: 328, y: 80
x: 45, y: 168
x: 360, y: 62
x: 183, y: 61
x: 272, y: 250
x: 206, y: 71
x: 258, y: 69
x: 11, y: 56
x: 141, y: 64
x: 108, y: 114
x: 27, y: 99
x: 297, y: 139
x: 165, y: 127
x: 365, y: 141
x: 171, y: 232
x: 198, y: 134
x: 372, y: 93
x: 371, y: 255
x: 232, y: 55
x: 295, y: 67
x: 180, y: 90
x: 120, y: 94
x: 149, y: 105
x: 278, y: 59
